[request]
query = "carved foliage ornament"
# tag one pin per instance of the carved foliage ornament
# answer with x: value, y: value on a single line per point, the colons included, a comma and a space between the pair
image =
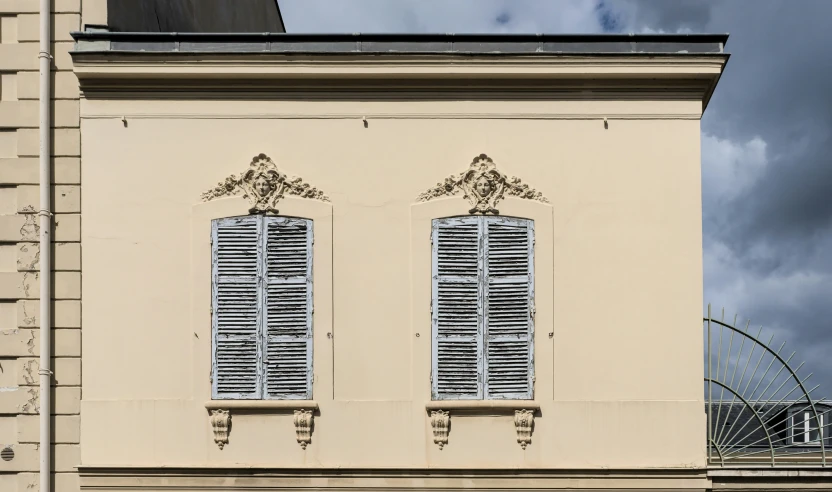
x: 263, y: 185
x: 484, y: 186
x: 524, y: 422
x: 221, y: 423
x: 303, y: 427
x: 440, y: 421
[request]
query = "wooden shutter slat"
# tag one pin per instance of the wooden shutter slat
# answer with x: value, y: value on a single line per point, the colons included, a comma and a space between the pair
x: 287, y: 368
x: 287, y: 252
x: 236, y: 308
x: 457, y: 371
x: 236, y: 341
x: 457, y: 309
x: 509, y: 296
x: 288, y: 308
x: 456, y: 245
x: 508, y: 307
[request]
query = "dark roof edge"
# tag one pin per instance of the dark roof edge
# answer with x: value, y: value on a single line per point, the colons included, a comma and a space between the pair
x: 280, y: 16
x: 380, y: 37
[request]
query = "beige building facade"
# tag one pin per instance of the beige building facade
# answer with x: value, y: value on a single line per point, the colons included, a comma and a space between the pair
x: 279, y: 230
x: 611, y: 176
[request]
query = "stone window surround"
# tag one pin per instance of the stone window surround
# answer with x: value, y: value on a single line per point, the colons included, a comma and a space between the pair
x: 321, y: 215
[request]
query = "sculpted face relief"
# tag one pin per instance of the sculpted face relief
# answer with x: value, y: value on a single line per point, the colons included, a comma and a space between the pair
x: 264, y: 186
x: 484, y: 186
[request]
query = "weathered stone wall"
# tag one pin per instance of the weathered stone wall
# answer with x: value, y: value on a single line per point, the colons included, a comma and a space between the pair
x: 19, y: 249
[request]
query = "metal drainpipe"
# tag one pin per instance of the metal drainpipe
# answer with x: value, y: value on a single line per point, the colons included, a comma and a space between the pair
x: 45, y: 214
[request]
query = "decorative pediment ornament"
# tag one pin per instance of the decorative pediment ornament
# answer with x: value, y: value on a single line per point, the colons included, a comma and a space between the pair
x: 263, y: 185
x: 484, y: 186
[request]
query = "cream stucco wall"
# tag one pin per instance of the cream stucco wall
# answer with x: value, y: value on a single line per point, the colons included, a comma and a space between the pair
x: 618, y: 278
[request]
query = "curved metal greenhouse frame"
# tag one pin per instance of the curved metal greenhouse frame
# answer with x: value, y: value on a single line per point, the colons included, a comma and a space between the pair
x: 765, y: 417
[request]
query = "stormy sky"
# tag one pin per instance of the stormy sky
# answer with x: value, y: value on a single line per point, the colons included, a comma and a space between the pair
x: 766, y: 136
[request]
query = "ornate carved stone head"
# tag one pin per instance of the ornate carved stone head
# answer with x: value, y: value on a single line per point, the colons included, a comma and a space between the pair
x: 483, y: 185
x: 263, y: 185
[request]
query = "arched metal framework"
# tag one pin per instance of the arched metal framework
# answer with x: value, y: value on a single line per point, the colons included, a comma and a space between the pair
x: 759, y: 410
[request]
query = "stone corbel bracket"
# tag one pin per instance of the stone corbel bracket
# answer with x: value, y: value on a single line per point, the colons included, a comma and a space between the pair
x: 221, y: 423
x: 523, y: 423
x: 220, y: 416
x: 303, y: 427
x: 263, y: 185
x: 440, y: 421
x: 523, y: 411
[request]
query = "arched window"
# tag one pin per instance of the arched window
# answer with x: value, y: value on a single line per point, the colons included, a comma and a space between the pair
x: 262, y: 308
x: 482, y: 308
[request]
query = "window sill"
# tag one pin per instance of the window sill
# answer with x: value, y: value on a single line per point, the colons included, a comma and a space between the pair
x: 482, y: 406
x: 261, y: 405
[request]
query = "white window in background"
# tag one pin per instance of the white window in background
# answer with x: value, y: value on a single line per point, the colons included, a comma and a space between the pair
x: 262, y: 308
x: 805, y: 428
x: 482, y: 308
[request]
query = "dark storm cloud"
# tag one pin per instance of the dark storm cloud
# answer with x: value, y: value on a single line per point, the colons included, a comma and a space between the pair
x: 675, y: 16
x: 774, y: 240
x: 767, y: 144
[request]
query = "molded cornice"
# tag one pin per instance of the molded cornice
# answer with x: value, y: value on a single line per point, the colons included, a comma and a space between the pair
x: 137, y: 75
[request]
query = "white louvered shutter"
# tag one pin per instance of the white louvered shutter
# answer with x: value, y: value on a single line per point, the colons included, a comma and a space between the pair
x: 509, y: 308
x: 236, y: 341
x: 288, y: 314
x: 456, y: 309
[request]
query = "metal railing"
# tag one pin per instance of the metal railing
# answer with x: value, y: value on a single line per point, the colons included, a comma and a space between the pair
x: 765, y: 417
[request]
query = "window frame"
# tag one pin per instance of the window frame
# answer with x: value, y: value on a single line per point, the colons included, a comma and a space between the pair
x: 262, y: 335
x: 483, y: 282
x: 806, y: 429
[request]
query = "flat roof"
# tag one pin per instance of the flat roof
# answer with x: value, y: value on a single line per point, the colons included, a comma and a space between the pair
x: 100, y: 39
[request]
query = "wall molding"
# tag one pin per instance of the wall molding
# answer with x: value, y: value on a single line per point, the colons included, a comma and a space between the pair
x: 415, y: 479
x: 399, y: 116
